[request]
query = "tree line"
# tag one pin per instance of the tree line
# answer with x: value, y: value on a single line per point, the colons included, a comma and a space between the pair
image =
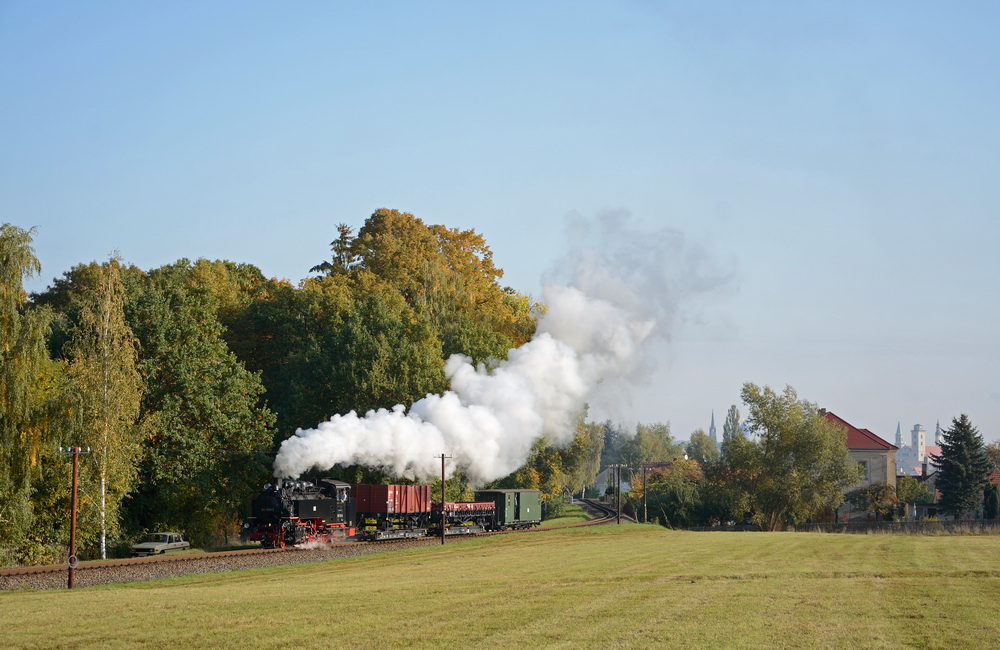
x: 786, y: 464
x: 183, y: 380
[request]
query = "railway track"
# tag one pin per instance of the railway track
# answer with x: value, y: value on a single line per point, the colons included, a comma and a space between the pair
x: 601, y: 513
x: 99, y: 572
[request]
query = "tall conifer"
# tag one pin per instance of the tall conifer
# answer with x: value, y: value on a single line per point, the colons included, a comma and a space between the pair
x: 964, y: 468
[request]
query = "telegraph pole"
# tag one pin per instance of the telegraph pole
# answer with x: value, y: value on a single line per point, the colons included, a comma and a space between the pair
x: 618, y: 491
x: 644, y: 516
x: 72, y: 561
x: 617, y: 467
x: 442, y: 457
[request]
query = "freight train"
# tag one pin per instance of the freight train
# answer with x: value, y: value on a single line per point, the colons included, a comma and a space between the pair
x: 298, y: 513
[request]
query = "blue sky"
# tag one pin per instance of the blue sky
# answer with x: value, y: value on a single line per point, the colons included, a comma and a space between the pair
x: 840, y: 162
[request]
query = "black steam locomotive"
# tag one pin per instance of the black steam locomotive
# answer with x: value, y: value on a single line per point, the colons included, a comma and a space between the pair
x: 296, y: 513
x: 291, y: 513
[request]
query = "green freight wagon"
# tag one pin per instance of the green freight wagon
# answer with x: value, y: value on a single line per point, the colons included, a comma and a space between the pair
x: 514, y: 508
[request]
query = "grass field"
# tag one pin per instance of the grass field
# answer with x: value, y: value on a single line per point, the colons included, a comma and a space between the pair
x: 572, y: 514
x: 628, y: 586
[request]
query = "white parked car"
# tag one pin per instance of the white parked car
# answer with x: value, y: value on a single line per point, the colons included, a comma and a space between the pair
x: 157, y: 543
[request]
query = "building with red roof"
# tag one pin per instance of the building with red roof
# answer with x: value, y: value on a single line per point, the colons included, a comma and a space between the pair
x: 875, y: 455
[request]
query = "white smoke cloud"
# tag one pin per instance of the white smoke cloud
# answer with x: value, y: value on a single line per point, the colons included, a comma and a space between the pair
x: 615, y: 291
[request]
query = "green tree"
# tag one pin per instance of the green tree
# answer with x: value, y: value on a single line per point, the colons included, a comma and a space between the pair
x: 206, y: 430
x: 964, y: 468
x: 796, y: 467
x: 581, y: 460
x: 104, y: 390
x: 911, y: 490
x: 673, y: 494
x: 344, y: 257
x: 878, y: 499
x: 651, y: 443
x: 991, y: 502
x: 614, y: 437
x: 349, y: 343
x: 731, y: 427
x: 702, y: 449
x: 23, y: 358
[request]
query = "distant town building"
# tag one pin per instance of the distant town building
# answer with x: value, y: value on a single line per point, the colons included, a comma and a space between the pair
x: 711, y: 430
x: 910, y: 459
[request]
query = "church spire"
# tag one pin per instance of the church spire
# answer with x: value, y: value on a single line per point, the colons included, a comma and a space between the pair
x: 711, y: 429
x: 899, y: 436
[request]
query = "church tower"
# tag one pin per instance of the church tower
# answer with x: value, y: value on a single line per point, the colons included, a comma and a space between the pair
x: 919, y: 441
x: 899, y: 437
x: 938, y: 436
x: 711, y: 430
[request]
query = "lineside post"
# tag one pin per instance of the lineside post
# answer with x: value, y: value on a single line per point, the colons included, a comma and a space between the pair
x: 442, y: 495
x: 72, y: 560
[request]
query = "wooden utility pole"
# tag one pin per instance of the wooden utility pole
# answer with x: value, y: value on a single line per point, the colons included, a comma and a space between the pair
x: 442, y: 495
x: 72, y: 561
x: 617, y: 472
x: 644, y: 516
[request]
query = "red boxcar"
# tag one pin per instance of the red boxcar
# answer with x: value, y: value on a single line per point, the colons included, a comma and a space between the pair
x: 392, y: 499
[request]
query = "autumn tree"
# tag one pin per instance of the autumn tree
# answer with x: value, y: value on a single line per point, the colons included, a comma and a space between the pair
x: 22, y: 358
x: 444, y: 273
x: 797, y: 464
x: 964, y: 468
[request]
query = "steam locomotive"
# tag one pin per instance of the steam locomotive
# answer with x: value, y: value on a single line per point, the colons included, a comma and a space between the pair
x: 299, y: 513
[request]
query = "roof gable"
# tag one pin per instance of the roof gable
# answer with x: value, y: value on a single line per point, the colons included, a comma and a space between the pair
x: 859, y: 438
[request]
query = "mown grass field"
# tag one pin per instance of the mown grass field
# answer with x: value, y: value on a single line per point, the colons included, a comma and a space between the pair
x: 628, y: 586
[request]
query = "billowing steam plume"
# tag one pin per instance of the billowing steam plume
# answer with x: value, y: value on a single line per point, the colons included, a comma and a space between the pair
x: 604, y: 305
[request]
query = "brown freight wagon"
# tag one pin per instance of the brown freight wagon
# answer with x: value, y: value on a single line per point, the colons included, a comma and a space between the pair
x: 390, y: 511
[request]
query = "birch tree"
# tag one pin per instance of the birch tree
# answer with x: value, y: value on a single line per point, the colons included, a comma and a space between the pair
x: 106, y: 389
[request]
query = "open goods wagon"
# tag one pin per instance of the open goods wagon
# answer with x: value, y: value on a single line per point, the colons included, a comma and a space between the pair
x: 391, y: 511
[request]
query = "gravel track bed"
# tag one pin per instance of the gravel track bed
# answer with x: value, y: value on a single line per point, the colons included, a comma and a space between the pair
x: 90, y: 577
